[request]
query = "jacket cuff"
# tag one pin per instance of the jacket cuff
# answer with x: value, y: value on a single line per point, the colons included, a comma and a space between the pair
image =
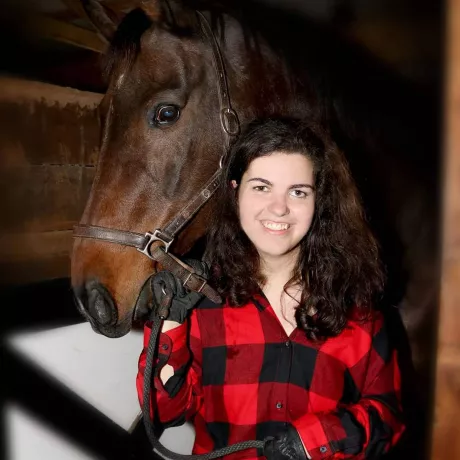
x: 172, y: 345
x: 314, y: 438
x: 172, y: 350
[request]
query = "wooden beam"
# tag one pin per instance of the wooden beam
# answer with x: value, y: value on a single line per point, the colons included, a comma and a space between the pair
x: 445, y: 435
x: 48, y: 147
x: 75, y: 7
x: 66, y: 16
x: 396, y: 39
x: 52, y: 29
x: 121, y: 5
x: 33, y: 257
x: 42, y: 198
x: 17, y: 90
x: 29, y: 246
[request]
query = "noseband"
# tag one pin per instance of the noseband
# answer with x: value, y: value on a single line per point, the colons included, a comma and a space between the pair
x: 155, y: 245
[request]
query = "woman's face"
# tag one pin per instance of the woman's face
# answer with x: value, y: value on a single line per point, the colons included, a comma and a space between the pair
x: 276, y: 202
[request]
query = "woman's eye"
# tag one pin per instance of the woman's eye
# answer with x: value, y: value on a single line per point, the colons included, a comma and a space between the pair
x: 165, y: 115
x: 299, y: 193
x: 260, y: 188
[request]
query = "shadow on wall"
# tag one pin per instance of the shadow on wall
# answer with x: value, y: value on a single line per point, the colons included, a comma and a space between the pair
x: 41, y: 309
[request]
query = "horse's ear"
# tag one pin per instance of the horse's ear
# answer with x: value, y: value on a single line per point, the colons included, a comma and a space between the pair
x: 173, y: 12
x: 104, y: 20
x: 153, y: 9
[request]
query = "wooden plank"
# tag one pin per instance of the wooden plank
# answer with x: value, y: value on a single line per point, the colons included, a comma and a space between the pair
x: 76, y: 8
x: 451, y: 220
x: 411, y: 40
x: 34, y: 271
x: 44, y: 197
x: 446, y: 430
x: 48, y: 148
x: 36, y: 133
x: 17, y: 90
x: 70, y: 34
x: 44, y: 123
x: 32, y: 257
x: 29, y: 246
x: 36, y: 228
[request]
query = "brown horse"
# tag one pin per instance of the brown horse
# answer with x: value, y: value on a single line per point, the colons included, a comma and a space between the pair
x: 162, y: 141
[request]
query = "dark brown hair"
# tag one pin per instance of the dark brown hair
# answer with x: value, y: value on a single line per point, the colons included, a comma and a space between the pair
x: 338, y: 264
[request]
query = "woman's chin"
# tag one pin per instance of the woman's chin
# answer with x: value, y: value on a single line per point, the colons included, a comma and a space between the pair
x: 271, y: 253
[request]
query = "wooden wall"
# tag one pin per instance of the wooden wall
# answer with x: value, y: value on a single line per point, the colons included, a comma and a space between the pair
x: 446, y: 426
x: 48, y: 148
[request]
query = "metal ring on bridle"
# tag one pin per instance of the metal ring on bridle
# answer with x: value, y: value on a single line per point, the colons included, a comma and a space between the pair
x: 221, y: 161
x: 229, y: 121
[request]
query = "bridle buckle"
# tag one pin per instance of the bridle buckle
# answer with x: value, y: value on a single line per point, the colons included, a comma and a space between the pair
x: 189, y: 276
x: 157, y: 235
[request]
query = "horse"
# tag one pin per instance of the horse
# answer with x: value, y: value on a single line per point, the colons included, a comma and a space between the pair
x: 162, y: 141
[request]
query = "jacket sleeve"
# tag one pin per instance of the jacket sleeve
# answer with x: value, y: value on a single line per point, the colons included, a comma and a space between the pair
x: 181, y: 396
x: 368, y: 428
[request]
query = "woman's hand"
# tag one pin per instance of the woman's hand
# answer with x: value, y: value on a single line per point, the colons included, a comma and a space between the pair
x: 164, y: 283
x: 286, y: 445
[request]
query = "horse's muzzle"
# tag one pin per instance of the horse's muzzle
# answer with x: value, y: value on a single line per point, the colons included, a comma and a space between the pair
x: 97, y: 306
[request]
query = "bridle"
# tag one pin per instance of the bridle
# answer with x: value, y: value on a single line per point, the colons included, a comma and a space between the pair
x: 155, y: 244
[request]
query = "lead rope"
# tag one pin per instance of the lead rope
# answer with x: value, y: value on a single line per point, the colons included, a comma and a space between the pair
x: 158, y: 448
x: 230, y: 125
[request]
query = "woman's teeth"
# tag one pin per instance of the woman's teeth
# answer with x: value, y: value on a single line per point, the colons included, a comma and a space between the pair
x: 275, y: 226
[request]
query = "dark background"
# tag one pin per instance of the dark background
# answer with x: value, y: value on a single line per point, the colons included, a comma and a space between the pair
x: 51, y: 41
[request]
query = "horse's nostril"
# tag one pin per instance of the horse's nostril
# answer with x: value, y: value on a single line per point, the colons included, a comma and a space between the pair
x: 99, y: 309
x: 100, y: 305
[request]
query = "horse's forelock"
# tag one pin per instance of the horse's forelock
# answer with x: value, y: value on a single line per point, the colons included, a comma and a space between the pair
x: 125, y: 45
x: 180, y: 21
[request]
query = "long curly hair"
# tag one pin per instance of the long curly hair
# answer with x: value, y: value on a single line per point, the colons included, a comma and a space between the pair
x: 338, y: 265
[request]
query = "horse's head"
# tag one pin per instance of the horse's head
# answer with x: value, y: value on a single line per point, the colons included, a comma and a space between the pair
x: 162, y: 140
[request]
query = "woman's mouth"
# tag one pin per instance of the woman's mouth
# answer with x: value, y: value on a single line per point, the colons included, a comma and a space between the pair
x: 278, y: 227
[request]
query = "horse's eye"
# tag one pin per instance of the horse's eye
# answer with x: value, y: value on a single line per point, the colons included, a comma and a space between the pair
x: 166, y: 114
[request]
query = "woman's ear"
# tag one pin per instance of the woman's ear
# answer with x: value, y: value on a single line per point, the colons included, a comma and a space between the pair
x: 233, y: 184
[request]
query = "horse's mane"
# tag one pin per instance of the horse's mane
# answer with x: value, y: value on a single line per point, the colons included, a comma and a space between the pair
x: 359, y: 97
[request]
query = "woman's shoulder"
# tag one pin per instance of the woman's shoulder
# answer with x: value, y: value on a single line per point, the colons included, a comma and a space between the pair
x: 361, y: 326
x: 364, y: 314
x: 363, y: 330
x: 368, y: 321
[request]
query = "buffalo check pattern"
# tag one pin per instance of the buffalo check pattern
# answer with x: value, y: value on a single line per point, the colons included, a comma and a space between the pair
x: 238, y: 376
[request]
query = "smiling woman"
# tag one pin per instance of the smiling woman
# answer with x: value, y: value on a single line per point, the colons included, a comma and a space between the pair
x: 276, y: 203
x: 296, y: 355
x: 292, y: 201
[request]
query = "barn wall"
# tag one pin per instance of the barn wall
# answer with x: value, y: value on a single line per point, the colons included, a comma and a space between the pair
x: 48, y: 149
x: 446, y: 439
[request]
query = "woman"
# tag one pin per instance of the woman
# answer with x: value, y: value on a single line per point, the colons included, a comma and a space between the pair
x: 297, y: 351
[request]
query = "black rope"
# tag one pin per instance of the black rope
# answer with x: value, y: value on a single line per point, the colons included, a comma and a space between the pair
x: 159, y: 448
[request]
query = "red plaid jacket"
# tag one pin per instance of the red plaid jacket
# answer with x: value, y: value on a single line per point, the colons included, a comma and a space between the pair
x: 238, y: 376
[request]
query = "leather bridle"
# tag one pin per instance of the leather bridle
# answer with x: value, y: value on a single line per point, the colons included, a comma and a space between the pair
x: 155, y: 245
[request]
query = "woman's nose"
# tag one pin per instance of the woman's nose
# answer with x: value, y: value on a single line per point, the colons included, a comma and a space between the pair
x: 279, y: 206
